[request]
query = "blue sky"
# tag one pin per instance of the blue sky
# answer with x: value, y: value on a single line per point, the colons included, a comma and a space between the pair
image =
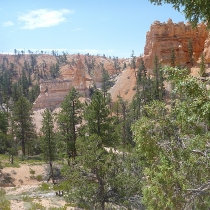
x: 110, y: 27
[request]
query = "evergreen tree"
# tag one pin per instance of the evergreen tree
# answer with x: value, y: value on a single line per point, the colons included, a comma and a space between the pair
x: 158, y: 80
x: 68, y: 119
x: 97, y: 115
x: 202, y: 66
x: 48, y: 141
x: 54, y: 70
x: 24, y: 83
x: 190, y: 51
x: 4, y: 143
x: 24, y: 127
x: 133, y: 62
x: 124, y: 124
x: 106, y: 82
x: 98, y: 165
x: 173, y: 58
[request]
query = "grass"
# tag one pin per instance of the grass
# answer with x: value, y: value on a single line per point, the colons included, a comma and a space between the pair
x: 4, y: 203
x: 45, y: 187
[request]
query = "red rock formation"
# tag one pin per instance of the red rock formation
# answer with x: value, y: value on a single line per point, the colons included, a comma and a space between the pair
x: 52, y: 92
x: 162, y: 37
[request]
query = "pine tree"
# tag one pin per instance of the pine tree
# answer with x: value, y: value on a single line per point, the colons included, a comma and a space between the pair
x: 48, y: 141
x: 124, y: 124
x: 158, y: 80
x: 68, y: 119
x: 24, y: 127
x: 106, y: 83
x: 173, y: 58
x: 97, y: 115
x: 133, y: 62
x: 4, y: 143
x: 190, y: 51
x: 202, y: 66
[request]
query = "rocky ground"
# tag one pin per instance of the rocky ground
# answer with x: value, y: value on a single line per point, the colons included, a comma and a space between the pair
x: 25, y: 192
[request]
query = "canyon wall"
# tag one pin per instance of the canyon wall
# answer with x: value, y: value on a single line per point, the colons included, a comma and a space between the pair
x: 162, y: 37
x: 52, y: 92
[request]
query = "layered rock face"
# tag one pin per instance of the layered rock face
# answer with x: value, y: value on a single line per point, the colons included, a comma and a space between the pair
x: 163, y: 37
x: 52, y: 92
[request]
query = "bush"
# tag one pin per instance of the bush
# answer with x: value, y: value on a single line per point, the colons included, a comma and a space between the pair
x: 32, y: 172
x: 39, y: 178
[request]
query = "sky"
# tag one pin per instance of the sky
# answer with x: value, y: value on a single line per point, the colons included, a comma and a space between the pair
x: 110, y: 27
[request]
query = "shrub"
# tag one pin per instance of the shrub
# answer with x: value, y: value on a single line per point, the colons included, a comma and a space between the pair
x: 39, y: 178
x: 32, y: 171
x: 45, y: 187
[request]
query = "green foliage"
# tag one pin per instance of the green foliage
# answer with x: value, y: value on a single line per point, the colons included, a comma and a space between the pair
x: 39, y: 178
x: 48, y: 140
x: 173, y: 58
x: 158, y: 80
x: 54, y: 70
x: 98, y: 120
x: 202, y: 66
x: 122, y: 123
x: 173, y: 146
x: 68, y: 119
x: 106, y: 82
x: 194, y: 11
x: 133, y: 61
x: 4, y: 203
x: 57, y: 208
x: 100, y: 177
x: 31, y: 171
x: 99, y: 174
x: 190, y: 51
x: 5, y: 144
x: 23, y: 125
x: 45, y: 187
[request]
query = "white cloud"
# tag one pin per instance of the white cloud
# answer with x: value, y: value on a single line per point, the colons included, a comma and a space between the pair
x: 8, y: 23
x: 43, y: 18
x: 77, y: 29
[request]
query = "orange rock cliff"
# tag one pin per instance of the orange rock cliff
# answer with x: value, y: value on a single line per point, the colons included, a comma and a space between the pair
x: 162, y: 37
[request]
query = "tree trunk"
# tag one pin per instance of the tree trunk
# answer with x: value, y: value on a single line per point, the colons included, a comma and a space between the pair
x: 100, y: 190
x: 51, y: 173
x: 74, y: 134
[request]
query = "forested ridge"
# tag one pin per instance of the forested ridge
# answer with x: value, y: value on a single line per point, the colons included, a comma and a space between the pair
x: 152, y: 153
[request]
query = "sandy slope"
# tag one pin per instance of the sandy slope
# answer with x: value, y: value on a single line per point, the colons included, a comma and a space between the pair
x: 24, y: 185
x: 124, y: 86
